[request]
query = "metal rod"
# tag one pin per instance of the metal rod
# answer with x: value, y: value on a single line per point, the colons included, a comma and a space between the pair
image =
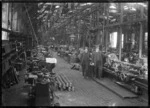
x: 31, y: 25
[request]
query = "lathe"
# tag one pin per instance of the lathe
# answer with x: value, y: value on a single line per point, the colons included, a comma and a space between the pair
x: 129, y: 74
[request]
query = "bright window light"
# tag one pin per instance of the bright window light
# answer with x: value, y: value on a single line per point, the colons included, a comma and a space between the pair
x: 133, y: 9
x: 131, y: 4
x: 122, y: 40
x: 113, y: 11
x: 48, y: 3
x: 83, y: 4
x: 113, y: 39
x: 112, y: 6
x: 89, y: 3
x: 142, y: 4
x: 126, y: 8
x: 4, y: 35
x: 146, y: 36
x: 57, y: 6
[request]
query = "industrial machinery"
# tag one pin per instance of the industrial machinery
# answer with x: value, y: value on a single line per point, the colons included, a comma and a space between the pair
x: 128, y: 74
x: 13, y: 61
x: 42, y: 81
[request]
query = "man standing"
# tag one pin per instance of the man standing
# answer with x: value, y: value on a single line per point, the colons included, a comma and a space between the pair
x: 98, y: 64
x: 90, y: 72
x: 85, y: 62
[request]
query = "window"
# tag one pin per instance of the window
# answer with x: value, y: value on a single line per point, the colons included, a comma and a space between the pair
x: 145, y: 44
x: 146, y: 37
x: 4, y: 20
x: 122, y: 41
x: 133, y: 40
x: 113, y: 39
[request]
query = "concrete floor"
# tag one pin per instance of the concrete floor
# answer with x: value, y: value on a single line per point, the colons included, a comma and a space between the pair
x: 87, y: 92
x: 16, y: 95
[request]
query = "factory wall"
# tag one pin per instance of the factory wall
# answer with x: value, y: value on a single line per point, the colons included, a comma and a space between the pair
x: 14, y: 18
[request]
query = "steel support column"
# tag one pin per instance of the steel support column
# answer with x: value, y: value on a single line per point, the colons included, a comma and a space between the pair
x: 141, y: 34
x: 120, y: 31
x: 120, y: 41
x: 140, y: 40
x: 106, y: 39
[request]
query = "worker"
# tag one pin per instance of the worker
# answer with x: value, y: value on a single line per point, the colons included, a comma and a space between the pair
x: 91, y: 67
x: 97, y: 61
x: 90, y: 72
x: 85, y: 62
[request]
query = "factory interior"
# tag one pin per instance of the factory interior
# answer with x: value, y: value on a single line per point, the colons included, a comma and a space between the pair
x: 74, y: 53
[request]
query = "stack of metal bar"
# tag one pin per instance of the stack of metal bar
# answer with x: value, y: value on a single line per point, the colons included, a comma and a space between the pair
x: 63, y: 83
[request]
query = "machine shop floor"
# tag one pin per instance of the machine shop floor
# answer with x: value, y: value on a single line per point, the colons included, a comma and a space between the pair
x: 16, y: 95
x: 87, y: 92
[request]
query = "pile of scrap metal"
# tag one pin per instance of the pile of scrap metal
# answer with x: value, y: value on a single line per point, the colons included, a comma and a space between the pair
x: 42, y: 79
x: 125, y: 72
x: 63, y: 83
